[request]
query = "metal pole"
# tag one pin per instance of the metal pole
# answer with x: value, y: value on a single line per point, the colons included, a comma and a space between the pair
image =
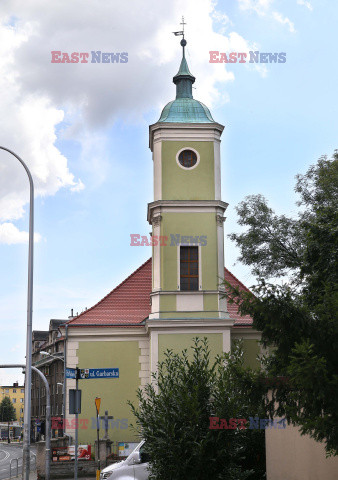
x: 76, y: 429
x: 98, y: 471
x: 28, y: 375
x: 48, y: 419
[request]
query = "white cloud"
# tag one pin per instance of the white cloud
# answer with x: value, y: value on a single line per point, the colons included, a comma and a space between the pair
x: 284, y: 21
x: 222, y: 20
x: 305, y: 4
x: 10, y: 234
x: 262, y: 8
x: 28, y: 128
x: 43, y: 100
x: 95, y: 94
x: 259, y: 6
x: 78, y: 187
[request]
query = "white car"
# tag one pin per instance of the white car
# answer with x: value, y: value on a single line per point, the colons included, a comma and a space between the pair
x: 134, y: 467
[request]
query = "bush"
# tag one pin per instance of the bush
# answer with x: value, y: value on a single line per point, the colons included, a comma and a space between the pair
x: 176, y: 408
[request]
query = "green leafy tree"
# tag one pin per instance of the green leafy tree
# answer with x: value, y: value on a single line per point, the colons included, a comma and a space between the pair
x: 176, y: 409
x: 7, y: 412
x: 297, y: 311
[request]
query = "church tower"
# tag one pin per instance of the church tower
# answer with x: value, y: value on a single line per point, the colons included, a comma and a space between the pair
x: 183, y: 280
x: 187, y: 213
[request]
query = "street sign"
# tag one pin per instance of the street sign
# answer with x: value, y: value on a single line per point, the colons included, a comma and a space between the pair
x: 88, y: 373
x: 97, y: 404
x: 71, y: 373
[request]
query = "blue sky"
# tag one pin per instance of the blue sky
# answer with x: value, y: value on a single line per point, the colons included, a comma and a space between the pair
x: 83, y: 130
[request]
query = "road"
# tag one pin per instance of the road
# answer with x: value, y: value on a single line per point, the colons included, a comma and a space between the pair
x: 7, y: 453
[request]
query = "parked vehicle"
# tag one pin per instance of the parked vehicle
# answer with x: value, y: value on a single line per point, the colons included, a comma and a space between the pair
x: 134, y: 467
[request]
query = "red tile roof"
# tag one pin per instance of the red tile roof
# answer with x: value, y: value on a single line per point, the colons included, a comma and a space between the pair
x: 232, y: 308
x: 128, y: 305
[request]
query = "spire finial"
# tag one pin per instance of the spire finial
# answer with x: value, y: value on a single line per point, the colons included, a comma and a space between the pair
x: 181, y: 33
x: 183, y: 79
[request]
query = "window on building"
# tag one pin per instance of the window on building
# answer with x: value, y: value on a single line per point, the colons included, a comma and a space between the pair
x: 187, y: 158
x: 189, y: 268
x: 22, y: 390
x: 21, y: 410
x: 14, y: 400
x: 21, y: 400
x: 14, y: 390
x: 7, y: 390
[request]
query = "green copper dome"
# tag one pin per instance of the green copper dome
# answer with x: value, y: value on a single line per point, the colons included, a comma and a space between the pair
x: 185, y: 109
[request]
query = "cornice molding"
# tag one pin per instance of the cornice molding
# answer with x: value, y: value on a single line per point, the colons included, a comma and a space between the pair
x: 184, y: 131
x: 154, y: 208
x: 190, y: 323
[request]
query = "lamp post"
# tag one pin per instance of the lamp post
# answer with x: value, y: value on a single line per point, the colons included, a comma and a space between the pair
x: 28, y: 373
x: 47, y: 354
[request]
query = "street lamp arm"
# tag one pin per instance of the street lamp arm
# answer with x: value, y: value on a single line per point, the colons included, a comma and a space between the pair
x: 48, y: 416
x: 28, y: 375
x: 22, y: 163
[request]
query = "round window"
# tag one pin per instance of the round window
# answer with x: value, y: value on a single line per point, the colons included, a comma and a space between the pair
x: 187, y: 158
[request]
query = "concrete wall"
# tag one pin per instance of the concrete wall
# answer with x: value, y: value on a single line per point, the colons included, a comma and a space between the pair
x: 114, y: 393
x: 290, y: 456
x: 195, y: 184
x: 180, y: 341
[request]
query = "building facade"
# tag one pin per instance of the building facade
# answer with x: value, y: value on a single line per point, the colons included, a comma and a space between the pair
x: 16, y: 394
x: 176, y: 295
x: 47, y: 356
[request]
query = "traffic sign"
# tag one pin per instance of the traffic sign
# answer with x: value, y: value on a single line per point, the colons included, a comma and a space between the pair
x: 97, y: 404
x: 88, y: 373
x: 71, y: 373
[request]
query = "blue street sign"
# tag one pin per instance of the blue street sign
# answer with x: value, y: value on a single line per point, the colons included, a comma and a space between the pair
x: 87, y: 373
x: 71, y: 373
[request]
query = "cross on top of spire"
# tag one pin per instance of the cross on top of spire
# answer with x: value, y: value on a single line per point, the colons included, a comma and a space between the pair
x: 183, y: 79
x: 183, y: 23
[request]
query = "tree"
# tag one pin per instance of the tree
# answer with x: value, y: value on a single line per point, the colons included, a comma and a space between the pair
x: 297, y: 311
x: 7, y: 412
x: 187, y: 396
